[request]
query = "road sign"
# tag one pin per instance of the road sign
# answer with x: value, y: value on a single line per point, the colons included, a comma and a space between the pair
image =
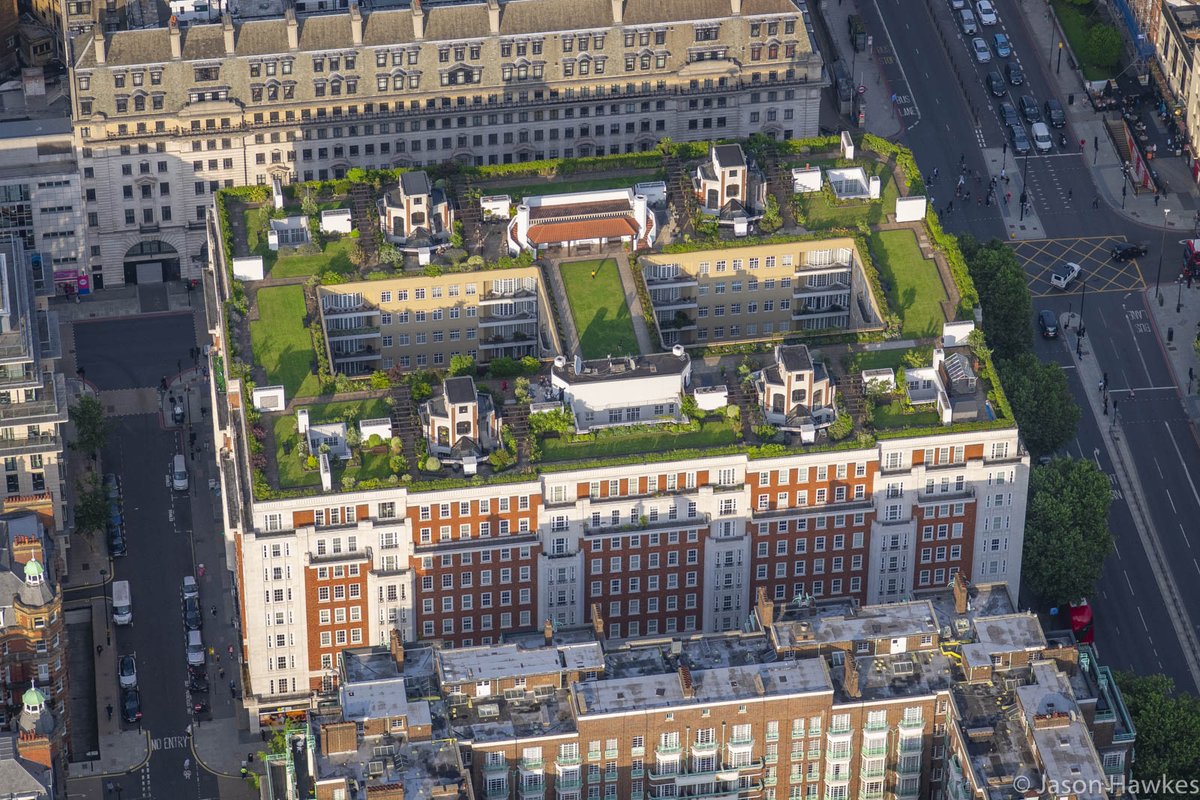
x: 862, y: 89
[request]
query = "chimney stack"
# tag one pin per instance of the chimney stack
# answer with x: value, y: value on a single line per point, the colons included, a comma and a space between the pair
x: 356, y: 25
x: 735, y: 7
x: 766, y: 609
x: 293, y: 29
x: 396, y: 647
x: 850, y: 676
x: 685, y: 683
x: 176, y: 41
x: 597, y: 623
x: 418, y: 20
x: 26, y: 549
x: 494, y: 16
x: 100, y: 45
x: 227, y: 29
x: 548, y: 632
x: 959, y: 587
x: 618, y: 11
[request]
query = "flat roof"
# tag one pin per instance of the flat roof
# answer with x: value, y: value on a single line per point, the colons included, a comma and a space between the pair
x: 623, y: 367
x: 837, y: 624
x: 492, y: 662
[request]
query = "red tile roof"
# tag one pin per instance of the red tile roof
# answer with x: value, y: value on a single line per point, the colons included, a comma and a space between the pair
x: 556, y: 232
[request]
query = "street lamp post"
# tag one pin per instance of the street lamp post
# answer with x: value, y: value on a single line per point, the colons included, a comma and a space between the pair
x: 1058, y: 69
x: 1124, y: 182
x: 1081, y: 329
x: 1179, y: 297
x: 1162, y: 244
x: 1024, y: 194
x: 107, y: 608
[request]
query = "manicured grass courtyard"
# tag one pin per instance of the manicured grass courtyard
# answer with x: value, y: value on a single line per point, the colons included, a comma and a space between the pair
x: 292, y: 473
x: 712, y: 433
x: 281, y: 342
x: 817, y: 211
x: 896, y: 416
x: 334, y: 256
x: 598, y: 308
x: 914, y: 288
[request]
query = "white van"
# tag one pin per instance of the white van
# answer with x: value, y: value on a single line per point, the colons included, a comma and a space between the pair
x: 179, y: 476
x: 195, y: 649
x: 122, y: 605
x: 1040, y: 133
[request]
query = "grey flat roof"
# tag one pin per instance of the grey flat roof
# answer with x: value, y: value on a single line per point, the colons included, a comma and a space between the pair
x: 22, y: 128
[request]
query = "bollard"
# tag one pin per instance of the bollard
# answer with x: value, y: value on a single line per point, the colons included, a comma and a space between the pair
x: 1170, y: 335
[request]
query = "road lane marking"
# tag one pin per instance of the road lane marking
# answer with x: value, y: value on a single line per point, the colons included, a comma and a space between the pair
x: 1143, y: 616
x: 1126, y: 574
x: 1137, y: 346
x: 1186, y: 472
x: 1159, y: 468
x: 1185, y: 536
x: 1171, y: 501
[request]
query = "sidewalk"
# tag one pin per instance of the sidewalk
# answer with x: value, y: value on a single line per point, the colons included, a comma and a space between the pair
x: 645, y: 343
x: 1083, y: 122
x: 879, y: 112
x: 1177, y: 329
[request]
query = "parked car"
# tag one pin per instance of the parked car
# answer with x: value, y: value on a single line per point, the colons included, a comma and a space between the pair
x: 1040, y: 134
x: 112, y: 486
x: 1047, y: 323
x: 127, y: 672
x: 958, y: 5
x: 986, y: 12
x: 1064, y: 274
x: 1029, y: 108
x: 177, y: 414
x: 983, y: 53
x: 116, y: 541
x: 197, y: 682
x: 1002, y: 44
x: 1054, y: 113
x: 1016, y: 75
x: 193, y: 617
x: 131, y: 705
x: 966, y: 20
x: 996, y: 84
x: 1129, y: 250
x: 1020, y: 141
x: 1008, y: 114
x: 194, y: 645
x: 190, y: 589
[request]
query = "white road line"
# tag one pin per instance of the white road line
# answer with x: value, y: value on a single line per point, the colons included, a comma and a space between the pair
x: 1171, y: 501
x: 1143, y: 616
x: 1194, y: 564
x: 1154, y: 388
x: 1185, y: 536
x: 899, y: 64
x: 1186, y: 472
x: 1141, y: 358
x: 1129, y: 582
x: 1160, y: 472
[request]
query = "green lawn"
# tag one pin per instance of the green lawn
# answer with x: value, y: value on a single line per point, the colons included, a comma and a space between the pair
x: 895, y: 416
x: 281, y: 343
x: 817, y: 211
x: 598, y: 308
x: 334, y: 257
x: 293, y: 475
x: 712, y: 433
x: 563, y: 187
x: 876, y: 359
x: 1077, y: 22
x: 914, y: 289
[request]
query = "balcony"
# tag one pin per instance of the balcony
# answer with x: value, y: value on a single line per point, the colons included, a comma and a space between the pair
x: 697, y: 521
x: 518, y: 295
x: 354, y: 334
x: 532, y: 791
x: 806, y: 311
x: 31, y: 444
x: 495, y: 791
x: 912, y: 744
x: 938, y: 496
x: 874, y: 749
x: 673, y: 301
x: 531, y: 764
x: 679, y: 321
x: 908, y: 766
x: 343, y: 312
x: 568, y: 783
x: 664, y: 772
x: 811, y: 290
x: 516, y: 318
x: 509, y: 340
x: 568, y: 760
x: 674, y: 279
x: 357, y: 356
x: 908, y: 724
x: 704, y: 748
x: 874, y: 771
x: 871, y: 794
x: 495, y: 766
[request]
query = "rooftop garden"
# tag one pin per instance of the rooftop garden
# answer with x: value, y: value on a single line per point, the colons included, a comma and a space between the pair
x: 325, y: 253
x: 598, y: 308
x: 282, y: 343
x: 518, y: 191
x: 823, y: 210
x: 557, y: 443
x: 376, y: 460
x: 910, y: 282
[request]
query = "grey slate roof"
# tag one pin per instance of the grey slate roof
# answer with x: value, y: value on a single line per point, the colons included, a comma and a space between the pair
x: 20, y: 777
x: 729, y: 155
x: 414, y: 183
x: 460, y: 390
x: 795, y: 358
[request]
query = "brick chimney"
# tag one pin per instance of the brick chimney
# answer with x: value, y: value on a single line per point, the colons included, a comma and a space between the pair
x: 36, y: 748
x: 418, y: 20
x: 176, y: 40
x: 227, y: 30
x: 100, y: 45
x: 598, y: 623
x: 850, y: 676
x: 493, y: 7
x: 959, y: 587
x: 548, y: 632
x: 685, y: 682
x: 293, y: 29
x: 396, y: 648
x: 356, y: 25
x: 618, y: 11
x: 766, y: 609
x: 26, y: 549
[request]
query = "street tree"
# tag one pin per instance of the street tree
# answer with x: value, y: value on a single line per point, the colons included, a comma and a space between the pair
x: 1066, y: 530
x: 1045, y: 411
x: 1103, y: 46
x: 1004, y: 296
x: 1168, y: 729
x: 91, y: 426
x: 91, y: 506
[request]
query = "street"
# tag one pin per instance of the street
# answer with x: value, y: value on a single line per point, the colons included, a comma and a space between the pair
x: 942, y: 95
x: 164, y: 529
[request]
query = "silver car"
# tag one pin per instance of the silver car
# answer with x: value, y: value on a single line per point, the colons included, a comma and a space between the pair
x: 983, y: 53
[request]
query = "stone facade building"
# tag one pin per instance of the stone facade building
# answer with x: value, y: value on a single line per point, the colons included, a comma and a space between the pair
x: 164, y: 117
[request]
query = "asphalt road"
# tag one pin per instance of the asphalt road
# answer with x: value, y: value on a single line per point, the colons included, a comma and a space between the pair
x: 942, y: 93
x: 133, y: 354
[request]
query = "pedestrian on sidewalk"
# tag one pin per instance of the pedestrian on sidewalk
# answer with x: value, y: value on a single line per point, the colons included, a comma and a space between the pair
x: 1156, y: 199
x: 967, y: 197
x: 1007, y: 197
x: 214, y: 611
x: 221, y: 673
x: 1096, y: 201
x: 99, y: 650
x: 950, y: 206
x: 935, y: 172
x: 245, y: 774
x: 1004, y: 175
x: 108, y: 710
